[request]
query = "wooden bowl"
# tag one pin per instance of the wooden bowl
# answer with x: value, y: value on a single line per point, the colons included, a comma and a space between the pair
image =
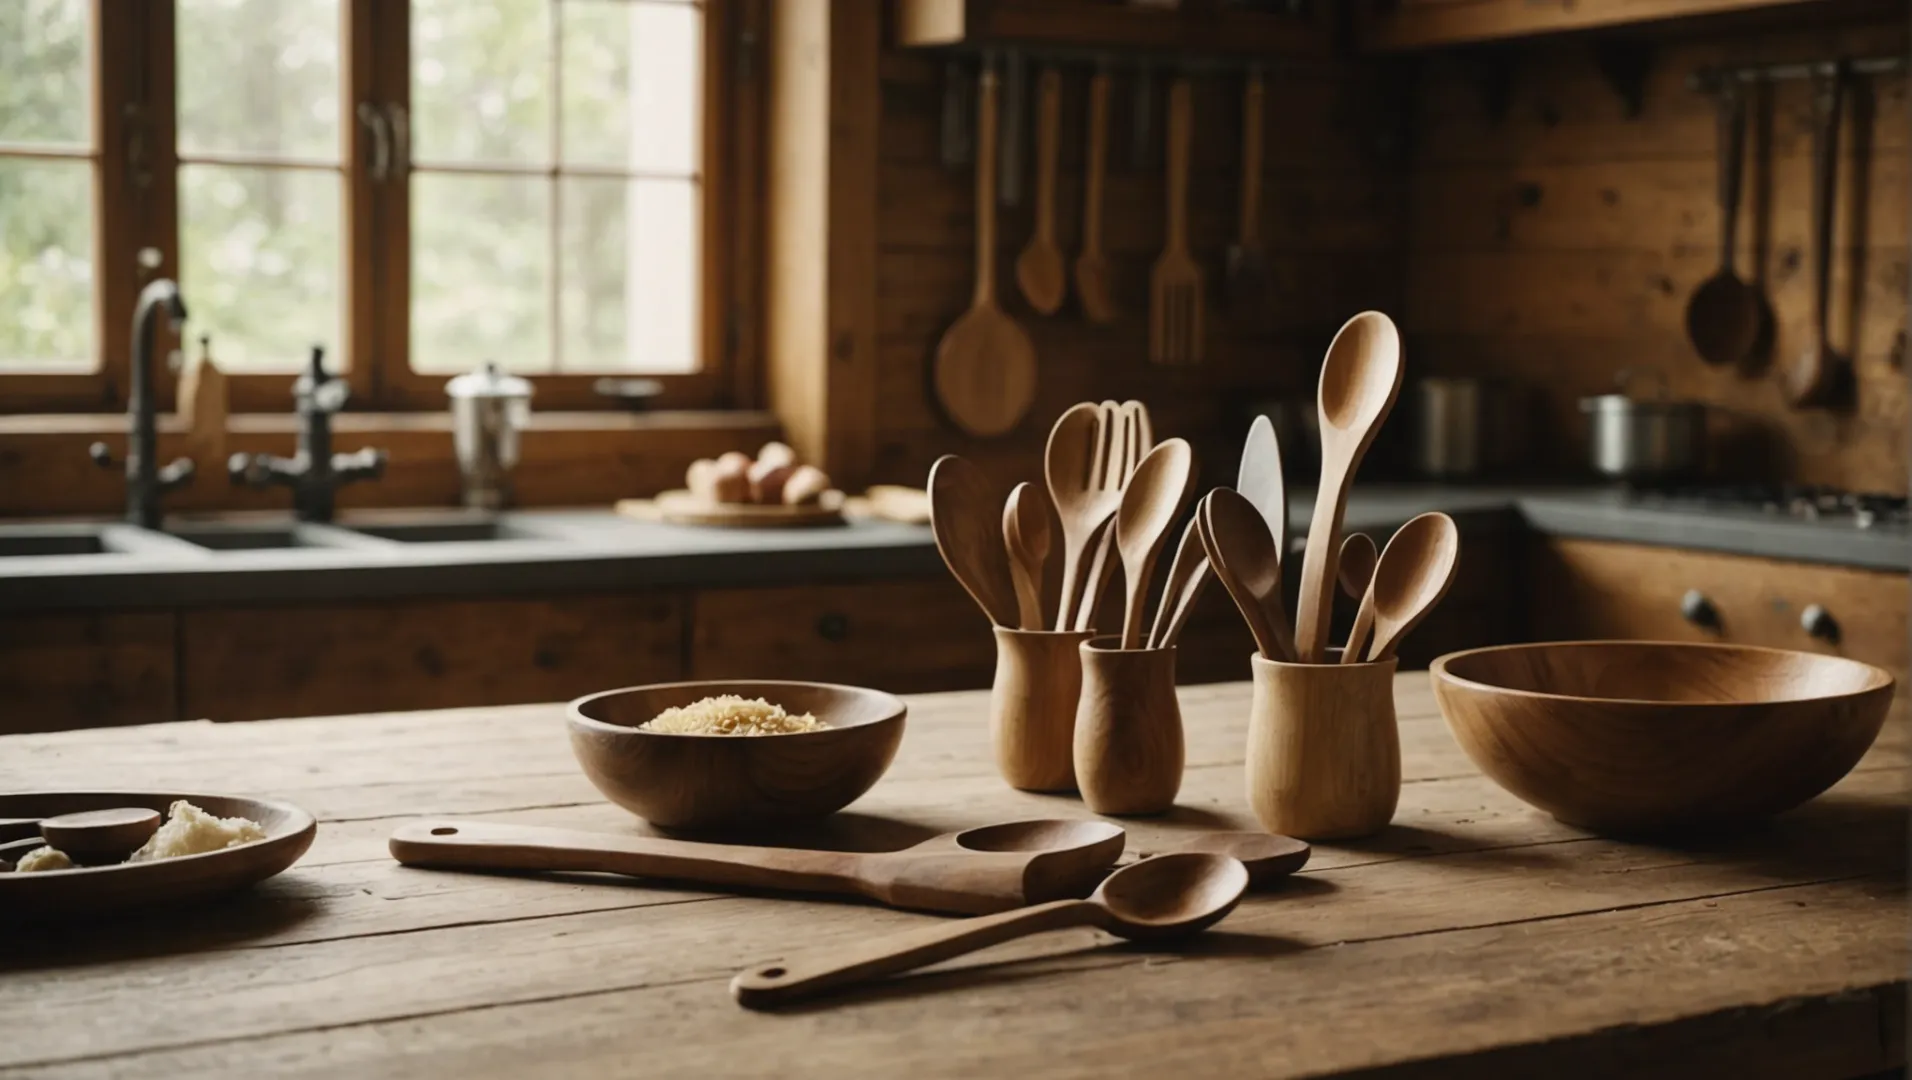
x: 1630, y: 737
x: 94, y: 890
x: 699, y: 782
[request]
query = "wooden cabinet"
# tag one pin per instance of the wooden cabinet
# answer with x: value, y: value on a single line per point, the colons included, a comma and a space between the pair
x: 1598, y: 589
x: 87, y: 670
x: 1396, y: 25
x: 901, y: 636
x: 255, y: 663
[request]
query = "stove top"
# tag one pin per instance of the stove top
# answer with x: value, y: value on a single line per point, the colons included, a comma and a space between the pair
x: 1861, y: 510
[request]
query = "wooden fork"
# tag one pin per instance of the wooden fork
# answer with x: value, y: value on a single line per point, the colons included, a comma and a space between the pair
x: 1132, y: 436
x: 1175, y: 286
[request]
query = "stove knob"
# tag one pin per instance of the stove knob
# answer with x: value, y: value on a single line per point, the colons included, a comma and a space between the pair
x: 1698, y: 610
x: 1818, y: 622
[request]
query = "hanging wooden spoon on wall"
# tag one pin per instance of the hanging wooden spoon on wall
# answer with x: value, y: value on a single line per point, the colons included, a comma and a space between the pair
x: 1812, y: 379
x: 1040, y: 270
x: 1092, y: 267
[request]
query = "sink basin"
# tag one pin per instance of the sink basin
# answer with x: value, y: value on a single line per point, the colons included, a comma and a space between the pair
x: 52, y: 543
x: 449, y: 532
x: 221, y: 538
x: 29, y: 540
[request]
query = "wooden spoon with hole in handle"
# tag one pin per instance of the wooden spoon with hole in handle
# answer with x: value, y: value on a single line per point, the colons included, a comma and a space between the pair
x: 1091, y: 266
x: 1158, y: 899
x: 985, y: 371
x: 1241, y: 551
x: 95, y: 837
x: 1411, y: 578
x: 1157, y: 493
x: 1074, y: 468
x: 971, y: 872
x: 1040, y: 269
x: 1025, y: 533
x: 1356, y: 571
x: 1187, y: 576
x: 1360, y: 379
x: 963, y: 517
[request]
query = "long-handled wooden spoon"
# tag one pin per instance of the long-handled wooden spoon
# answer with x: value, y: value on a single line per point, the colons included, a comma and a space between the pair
x: 972, y: 872
x: 1242, y: 553
x: 1025, y: 533
x: 1091, y: 266
x: 1158, y: 899
x: 963, y: 517
x: 1074, y: 467
x: 1724, y: 317
x: 1040, y: 269
x: 1356, y: 572
x: 1810, y: 379
x: 1187, y: 576
x: 1413, y: 575
x: 1176, y: 294
x: 1360, y: 379
x: 985, y: 372
x: 1157, y: 493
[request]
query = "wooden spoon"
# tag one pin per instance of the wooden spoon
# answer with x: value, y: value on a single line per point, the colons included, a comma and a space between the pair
x: 1247, y: 268
x: 1025, y: 533
x: 1187, y: 576
x: 1040, y: 269
x: 1242, y: 553
x: 985, y: 372
x: 1412, y: 576
x: 963, y: 517
x: 971, y: 872
x: 1724, y: 317
x: 1156, y: 495
x: 1091, y: 266
x: 1074, y: 467
x: 1357, y: 575
x: 1359, y: 381
x: 1158, y: 899
x: 1176, y: 294
x: 1260, y: 479
x: 1269, y: 857
x: 1810, y: 380
x: 93, y: 837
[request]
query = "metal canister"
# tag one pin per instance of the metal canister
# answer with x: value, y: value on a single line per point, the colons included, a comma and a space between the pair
x: 488, y: 410
x: 1645, y: 441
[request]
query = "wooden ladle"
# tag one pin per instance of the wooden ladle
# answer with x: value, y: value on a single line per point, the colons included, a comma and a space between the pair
x: 1724, y: 318
x: 1025, y: 533
x: 1158, y: 899
x: 1242, y: 553
x: 1157, y: 493
x: 1411, y: 578
x: 1356, y: 572
x: 1360, y: 379
x: 963, y: 517
x: 972, y: 872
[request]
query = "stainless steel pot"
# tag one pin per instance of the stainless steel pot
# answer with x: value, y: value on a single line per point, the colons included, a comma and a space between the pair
x: 1463, y: 427
x: 1655, y: 440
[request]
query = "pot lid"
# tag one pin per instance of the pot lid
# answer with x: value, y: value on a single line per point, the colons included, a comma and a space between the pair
x: 488, y: 382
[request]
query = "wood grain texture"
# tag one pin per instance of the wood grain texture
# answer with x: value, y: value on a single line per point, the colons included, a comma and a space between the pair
x: 250, y: 663
x: 1032, y: 707
x: 1129, y: 747
x: 1424, y: 24
x: 1475, y: 934
x: 1324, y: 758
x: 1633, y: 738
x: 63, y: 671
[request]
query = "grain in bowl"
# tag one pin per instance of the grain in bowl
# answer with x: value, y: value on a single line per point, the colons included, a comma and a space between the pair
x: 730, y: 714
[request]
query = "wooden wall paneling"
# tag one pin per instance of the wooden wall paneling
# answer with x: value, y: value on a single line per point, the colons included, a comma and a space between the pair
x: 1420, y: 24
x: 62, y: 671
x: 1599, y: 589
x: 900, y: 636
x: 1560, y: 245
x: 259, y: 663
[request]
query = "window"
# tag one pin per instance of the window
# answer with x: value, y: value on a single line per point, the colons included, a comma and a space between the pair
x: 419, y: 185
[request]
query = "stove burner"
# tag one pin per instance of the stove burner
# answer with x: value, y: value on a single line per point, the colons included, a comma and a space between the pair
x: 1864, y: 510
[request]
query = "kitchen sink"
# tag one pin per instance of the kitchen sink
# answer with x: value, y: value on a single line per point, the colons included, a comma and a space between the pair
x: 268, y: 536
x: 450, y: 532
x: 29, y: 540
x: 73, y: 543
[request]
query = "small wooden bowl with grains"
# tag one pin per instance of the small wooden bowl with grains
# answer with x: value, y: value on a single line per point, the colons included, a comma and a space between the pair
x: 726, y: 755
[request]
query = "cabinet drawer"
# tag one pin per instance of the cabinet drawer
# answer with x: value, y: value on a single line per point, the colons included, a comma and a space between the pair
x: 1595, y: 589
x: 900, y: 636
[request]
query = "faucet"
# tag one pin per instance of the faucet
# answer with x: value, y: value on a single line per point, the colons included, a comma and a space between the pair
x: 146, y: 480
x: 314, y: 473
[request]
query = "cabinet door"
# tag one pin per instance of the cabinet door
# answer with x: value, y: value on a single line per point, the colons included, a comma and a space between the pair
x: 86, y: 670
x: 1596, y: 589
x: 900, y: 636
x: 257, y: 663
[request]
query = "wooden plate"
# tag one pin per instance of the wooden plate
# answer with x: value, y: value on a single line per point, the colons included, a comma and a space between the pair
x: 92, y: 890
x: 683, y: 508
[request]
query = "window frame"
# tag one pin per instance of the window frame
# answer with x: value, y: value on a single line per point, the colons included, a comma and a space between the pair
x: 134, y: 113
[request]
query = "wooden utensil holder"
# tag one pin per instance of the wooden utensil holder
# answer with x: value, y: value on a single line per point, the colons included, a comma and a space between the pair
x: 1324, y: 752
x: 1032, y: 706
x: 1128, y: 729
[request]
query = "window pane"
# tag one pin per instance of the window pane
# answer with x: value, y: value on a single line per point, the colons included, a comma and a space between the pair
x: 260, y: 249
x: 46, y: 266
x: 259, y: 77
x: 631, y: 89
x: 630, y: 275
x: 43, y: 69
x: 480, y: 272
x: 481, y: 80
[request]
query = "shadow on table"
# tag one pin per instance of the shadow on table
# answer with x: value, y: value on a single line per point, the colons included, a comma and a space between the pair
x: 271, y: 909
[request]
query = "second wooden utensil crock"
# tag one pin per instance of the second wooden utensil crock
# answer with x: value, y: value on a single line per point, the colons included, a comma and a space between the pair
x: 1128, y: 729
x: 1324, y: 752
x: 1032, y: 707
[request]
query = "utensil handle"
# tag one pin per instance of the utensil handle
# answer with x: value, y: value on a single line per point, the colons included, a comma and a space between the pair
x: 1251, y: 128
x: 456, y: 844
x: 1732, y: 151
x: 1828, y: 100
x: 1096, y: 580
x: 1178, y: 136
x: 1098, y: 153
x: 1318, y: 563
x: 1363, y: 626
x: 985, y: 188
x: 808, y: 974
x: 1048, y: 126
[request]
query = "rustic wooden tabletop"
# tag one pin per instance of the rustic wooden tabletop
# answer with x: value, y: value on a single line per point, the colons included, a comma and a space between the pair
x: 1474, y: 937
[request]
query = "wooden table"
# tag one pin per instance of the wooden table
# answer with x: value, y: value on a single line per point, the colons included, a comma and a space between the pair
x: 1475, y: 937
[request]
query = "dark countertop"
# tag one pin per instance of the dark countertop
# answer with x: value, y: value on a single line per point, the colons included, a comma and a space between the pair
x: 595, y: 550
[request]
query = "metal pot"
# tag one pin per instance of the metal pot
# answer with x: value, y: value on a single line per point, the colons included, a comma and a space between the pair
x: 1463, y: 427
x: 1656, y: 440
x: 488, y: 410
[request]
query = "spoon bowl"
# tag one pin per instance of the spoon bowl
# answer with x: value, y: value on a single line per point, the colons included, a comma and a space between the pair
x: 1075, y: 468
x: 963, y: 518
x: 1157, y: 493
x: 1242, y: 553
x: 1041, y: 834
x: 1356, y: 572
x: 1025, y: 533
x: 1414, y: 573
x: 1268, y: 857
x: 1170, y: 896
x: 95, y: 837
